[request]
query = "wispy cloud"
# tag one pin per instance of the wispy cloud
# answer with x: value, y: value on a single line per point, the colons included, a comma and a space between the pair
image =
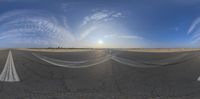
x: 194, y: 31
x: 88, y: 31
x: 123, y: 36
x: 194, y: 25
x: 33, y: 26
x: 101, y: 16
x: 90, y: 23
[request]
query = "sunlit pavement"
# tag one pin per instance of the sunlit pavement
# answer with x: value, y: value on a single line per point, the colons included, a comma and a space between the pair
x: 108, y: 80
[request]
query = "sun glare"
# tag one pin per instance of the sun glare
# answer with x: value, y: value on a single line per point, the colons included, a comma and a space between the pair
x: 100, y: 42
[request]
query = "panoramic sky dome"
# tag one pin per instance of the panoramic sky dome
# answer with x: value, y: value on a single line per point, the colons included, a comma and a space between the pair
x: 99, y: 23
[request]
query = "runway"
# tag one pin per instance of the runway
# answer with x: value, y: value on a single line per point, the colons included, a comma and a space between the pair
x: 109, y: 79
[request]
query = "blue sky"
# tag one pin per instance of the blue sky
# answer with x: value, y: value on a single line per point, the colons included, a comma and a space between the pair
x: 100, y: 23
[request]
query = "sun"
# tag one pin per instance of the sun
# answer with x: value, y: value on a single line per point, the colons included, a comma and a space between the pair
x: 100, y: 42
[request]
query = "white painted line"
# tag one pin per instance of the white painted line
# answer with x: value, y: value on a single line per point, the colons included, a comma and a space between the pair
x: 198, y: 79
x: 9, y: 73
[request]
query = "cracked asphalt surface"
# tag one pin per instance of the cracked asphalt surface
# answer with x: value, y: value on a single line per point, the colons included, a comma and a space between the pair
x: 109, y: 80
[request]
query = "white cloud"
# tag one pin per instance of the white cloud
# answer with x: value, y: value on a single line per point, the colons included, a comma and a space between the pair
x: 98, y: 22
x: 88, y: 31
x: 101, y: 16
x: 194, y: 31
x: 130, y: 37
x: 123, y: 36
x: 194, y: 25
x: 196, y: 40
x: 34, y: 26
x: 119, y: 14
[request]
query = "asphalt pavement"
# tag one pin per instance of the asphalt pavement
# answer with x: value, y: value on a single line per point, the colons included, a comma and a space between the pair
x: 108, y: 80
